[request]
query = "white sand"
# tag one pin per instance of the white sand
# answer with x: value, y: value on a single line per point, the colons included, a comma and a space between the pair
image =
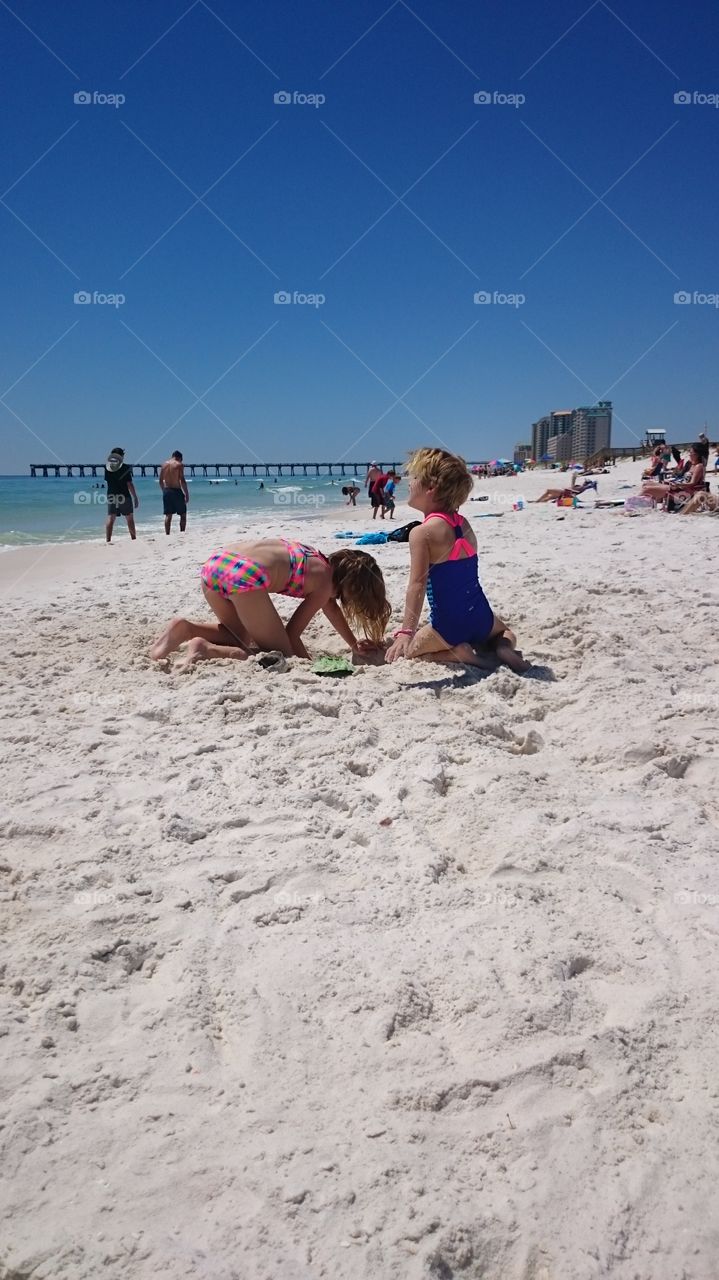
x: 407, y: 975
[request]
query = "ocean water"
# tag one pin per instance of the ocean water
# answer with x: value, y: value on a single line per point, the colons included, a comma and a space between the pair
x: 72, y: 510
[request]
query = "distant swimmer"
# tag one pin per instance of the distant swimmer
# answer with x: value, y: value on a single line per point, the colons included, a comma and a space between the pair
x: 175, y: 494
x: 261, y: 485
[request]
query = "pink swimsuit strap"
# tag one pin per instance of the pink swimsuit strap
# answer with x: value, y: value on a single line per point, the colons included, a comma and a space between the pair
x: 299, y: 554
x: 455, y: 522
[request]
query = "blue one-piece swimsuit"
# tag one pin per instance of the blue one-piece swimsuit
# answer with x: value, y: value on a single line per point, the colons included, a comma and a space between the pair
x: 459, y: 610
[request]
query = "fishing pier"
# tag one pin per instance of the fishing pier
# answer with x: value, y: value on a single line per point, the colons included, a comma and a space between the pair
x: 211, y: 470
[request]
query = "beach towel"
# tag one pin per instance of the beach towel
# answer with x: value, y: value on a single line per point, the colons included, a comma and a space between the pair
x: 371, y: 538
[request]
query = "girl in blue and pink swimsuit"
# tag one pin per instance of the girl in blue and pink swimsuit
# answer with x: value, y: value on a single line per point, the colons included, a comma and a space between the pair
x: 444, y: 566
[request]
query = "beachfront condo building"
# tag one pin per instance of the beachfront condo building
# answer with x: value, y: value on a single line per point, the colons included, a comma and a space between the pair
x: 567, y: 435
x: 522, y: 453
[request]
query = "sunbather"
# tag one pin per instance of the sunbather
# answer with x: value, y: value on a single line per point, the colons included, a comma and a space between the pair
x: 553, y: 495
x: 693, y: 483
x: 656, y: 465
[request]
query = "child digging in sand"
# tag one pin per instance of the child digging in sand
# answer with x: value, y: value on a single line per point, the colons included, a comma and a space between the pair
x: 443, y: 562
x: 347, y: 586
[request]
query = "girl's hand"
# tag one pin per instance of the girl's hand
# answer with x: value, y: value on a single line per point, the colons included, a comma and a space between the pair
x: 368, y: 646
x: 398, y: 649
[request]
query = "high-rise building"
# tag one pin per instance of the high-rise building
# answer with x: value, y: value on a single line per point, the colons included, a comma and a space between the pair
x: 566, y: 434
x: 522, y: 452
x: 540, y: 436
x: 559, y: 448
x: 591, y: 429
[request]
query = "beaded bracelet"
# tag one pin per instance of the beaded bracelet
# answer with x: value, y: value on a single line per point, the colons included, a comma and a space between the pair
x: 403, y: 631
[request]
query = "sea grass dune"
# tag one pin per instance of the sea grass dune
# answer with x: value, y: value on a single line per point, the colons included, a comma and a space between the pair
x: 409, y: 975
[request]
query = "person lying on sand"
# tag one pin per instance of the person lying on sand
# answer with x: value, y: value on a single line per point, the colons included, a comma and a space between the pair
x: 553, y: 495
x: 444, y: 564
x: 347, y: 586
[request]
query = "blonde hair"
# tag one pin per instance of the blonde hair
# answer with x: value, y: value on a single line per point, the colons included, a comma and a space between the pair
x: 358, y: 582
x: 445, y: 473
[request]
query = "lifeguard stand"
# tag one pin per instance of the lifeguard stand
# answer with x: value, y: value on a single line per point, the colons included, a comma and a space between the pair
x: 654, y: 436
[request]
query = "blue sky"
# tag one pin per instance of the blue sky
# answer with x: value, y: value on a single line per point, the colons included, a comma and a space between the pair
x: 396, y: 199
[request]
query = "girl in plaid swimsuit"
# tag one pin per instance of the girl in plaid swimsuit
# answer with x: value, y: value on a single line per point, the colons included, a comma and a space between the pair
x: 237, y: 583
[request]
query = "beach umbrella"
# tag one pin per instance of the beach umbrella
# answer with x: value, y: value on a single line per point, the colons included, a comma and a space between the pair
x: 576, y: 466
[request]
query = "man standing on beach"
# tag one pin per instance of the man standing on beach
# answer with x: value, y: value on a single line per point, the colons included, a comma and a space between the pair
x: 175, y: 494
x: 372, y: 472
x: 373, y: 484
x: 122, y: 500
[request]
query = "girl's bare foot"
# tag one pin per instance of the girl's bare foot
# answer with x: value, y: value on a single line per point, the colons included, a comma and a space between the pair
x: 195, y: 652
x: 466, y: 654
x: 199, y: 650
x: 511, y: 657
x: 175, y: 634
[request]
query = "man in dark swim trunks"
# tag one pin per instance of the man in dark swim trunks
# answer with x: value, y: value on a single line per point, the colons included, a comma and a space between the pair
x: 122, y: 500
x: 372, y: 472
x: 175, y: 495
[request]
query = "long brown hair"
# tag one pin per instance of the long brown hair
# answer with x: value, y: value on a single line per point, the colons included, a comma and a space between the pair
x: 357, y: 580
